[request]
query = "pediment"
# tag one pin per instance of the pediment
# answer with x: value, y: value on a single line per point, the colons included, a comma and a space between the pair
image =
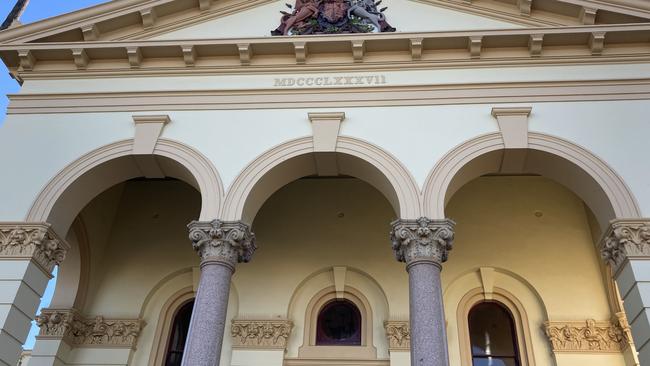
x: 126, y: 20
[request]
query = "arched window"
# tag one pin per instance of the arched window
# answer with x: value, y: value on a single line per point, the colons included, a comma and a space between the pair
x: 339, y: 324
x: 492, y: 336
x: 179, y: 330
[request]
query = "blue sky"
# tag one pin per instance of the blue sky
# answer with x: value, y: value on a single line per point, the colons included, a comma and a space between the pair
x: 36, y: 10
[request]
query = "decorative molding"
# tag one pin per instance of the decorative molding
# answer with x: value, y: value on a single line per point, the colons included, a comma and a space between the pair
x: 505, y: 47
x: 228, y: 241
x: 513, y: 124
x: 90, y: 32
x: 81, y: 58
x: 76, y: 330
x: 147, y: 132
x: 35, y: 241
x: 325, y: 127
x: 422, y: 239
x: 272, y: 334
x: 398, y: 334
x: 588, y: 336
x: 625, y: 238
x: 320, y: 97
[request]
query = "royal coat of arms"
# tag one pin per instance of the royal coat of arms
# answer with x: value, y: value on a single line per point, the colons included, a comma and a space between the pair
x: 333, y: 16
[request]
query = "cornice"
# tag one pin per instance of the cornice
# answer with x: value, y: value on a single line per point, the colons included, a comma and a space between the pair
x: 581, y: 44
x: 137, y: 19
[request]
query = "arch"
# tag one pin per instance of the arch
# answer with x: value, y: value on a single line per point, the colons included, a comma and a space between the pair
x: 588, y: 176
x: 294, y: 159
x: 512, y: 291
x: 321, y: 286
x: 82, y: 180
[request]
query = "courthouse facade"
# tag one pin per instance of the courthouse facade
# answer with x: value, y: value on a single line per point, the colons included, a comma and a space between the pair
x: 406, y: 182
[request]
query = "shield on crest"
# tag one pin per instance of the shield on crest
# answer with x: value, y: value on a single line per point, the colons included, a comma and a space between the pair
x: 335, y: 10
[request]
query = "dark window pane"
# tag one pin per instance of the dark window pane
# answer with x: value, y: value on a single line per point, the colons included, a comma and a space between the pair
x: 339, y: 323
x: 492, y: 333
x: 494, y: 361
x: 179, y: 330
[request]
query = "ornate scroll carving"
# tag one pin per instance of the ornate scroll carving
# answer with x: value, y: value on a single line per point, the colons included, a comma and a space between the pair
x: 79, y: 331
x: 231, y: 241
x: 332, y: 17
x: 625, y: 238
x: 260, y: 333
x: 589, y: 336
x: 398, y: 334
x: 422, y: 239
x: 35, y: 241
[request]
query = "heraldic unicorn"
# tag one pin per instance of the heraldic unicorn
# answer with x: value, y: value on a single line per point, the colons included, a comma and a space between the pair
x: 333, y: 16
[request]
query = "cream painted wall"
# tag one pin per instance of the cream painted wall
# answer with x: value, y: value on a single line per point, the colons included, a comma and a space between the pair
x: 300, y: 234
x: 234, y: 138
x: 405, y: 15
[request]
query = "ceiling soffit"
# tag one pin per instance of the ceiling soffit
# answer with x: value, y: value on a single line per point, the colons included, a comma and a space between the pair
x: 121, y: 20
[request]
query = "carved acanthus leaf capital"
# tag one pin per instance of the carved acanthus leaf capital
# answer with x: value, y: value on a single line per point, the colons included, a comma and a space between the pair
x: 422, y: 239
x: 398, y: 333
x: 69, y: 325
x: 626, y: 238
x: 35, y: 241
x: 260, y: 333
x: 229, y: 241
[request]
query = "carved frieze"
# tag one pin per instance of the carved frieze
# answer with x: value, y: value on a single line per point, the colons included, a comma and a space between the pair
x: 398, y: 334
x: 626, y: 238
x: 422, y: 239
x: 589, y: 336
x: 67, y: 324
x: 260, y: 333
x: 230, y: 241
x: 35, y: 241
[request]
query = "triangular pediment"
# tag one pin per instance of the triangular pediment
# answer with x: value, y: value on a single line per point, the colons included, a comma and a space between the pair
x: 123, y: 20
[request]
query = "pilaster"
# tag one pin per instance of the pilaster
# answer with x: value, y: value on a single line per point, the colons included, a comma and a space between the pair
x: 626, y: 247
x: 28, y: 254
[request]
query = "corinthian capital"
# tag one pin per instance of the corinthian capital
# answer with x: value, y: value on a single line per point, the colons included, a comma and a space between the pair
x: 626, y: 238
x: 422, y: 239
x: 230, y: 241
x: 35, y: 241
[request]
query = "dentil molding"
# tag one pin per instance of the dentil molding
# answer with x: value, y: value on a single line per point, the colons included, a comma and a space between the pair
x: 626, y: 238
x: 589, y: 336
x: 69, y: 325
x: 272, y: 334
x: 422, y: 239
x: 35, y: 241
x: 398, y: 333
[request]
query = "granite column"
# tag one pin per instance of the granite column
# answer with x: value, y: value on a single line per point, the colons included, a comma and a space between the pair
x: 221, y: 245
x: 423, y: 245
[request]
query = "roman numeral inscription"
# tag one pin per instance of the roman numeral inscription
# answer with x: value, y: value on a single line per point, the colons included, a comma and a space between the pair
x: 345, y: 80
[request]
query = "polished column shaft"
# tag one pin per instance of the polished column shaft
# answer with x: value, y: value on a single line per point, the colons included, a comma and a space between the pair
x: 209, y: 314
x: 221, y: 245
x: 428, y: 338
x: 423, y: 245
